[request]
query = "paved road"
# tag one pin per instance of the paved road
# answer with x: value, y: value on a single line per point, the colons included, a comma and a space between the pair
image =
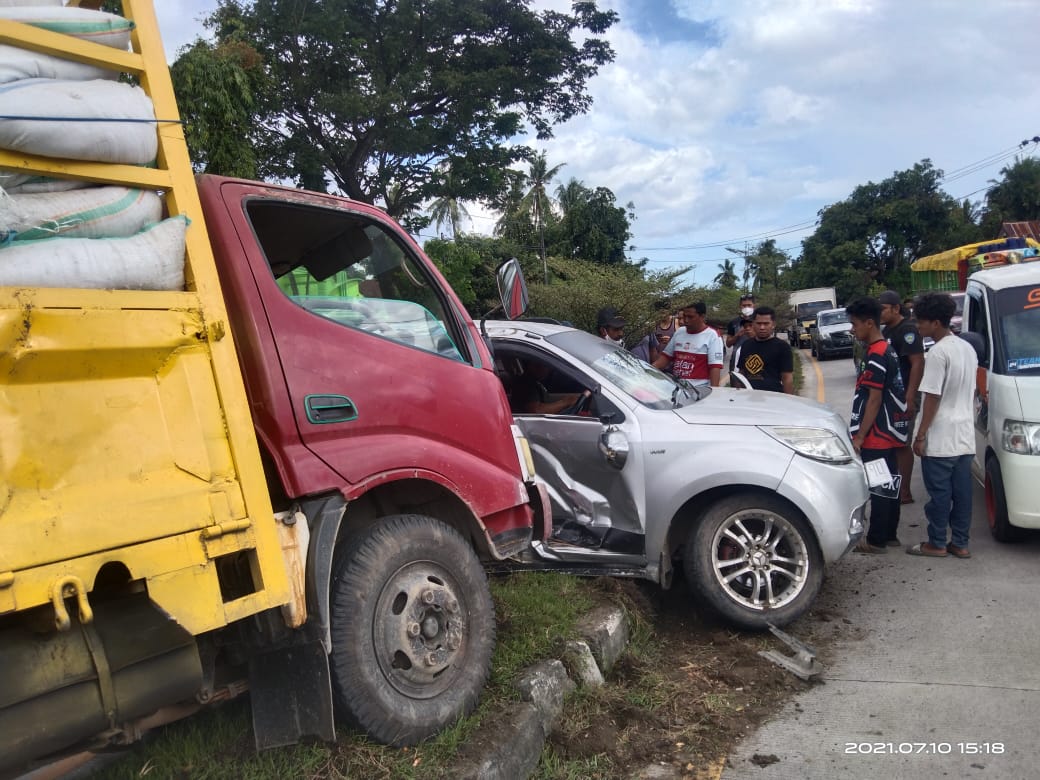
x: 939, y: 675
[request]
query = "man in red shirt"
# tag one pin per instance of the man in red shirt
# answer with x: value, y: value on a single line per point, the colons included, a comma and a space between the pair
x: 880, y: 420
x: 695, y: 351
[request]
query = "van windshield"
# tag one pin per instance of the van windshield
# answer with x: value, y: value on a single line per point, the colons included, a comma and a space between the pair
x: 1018, y: 328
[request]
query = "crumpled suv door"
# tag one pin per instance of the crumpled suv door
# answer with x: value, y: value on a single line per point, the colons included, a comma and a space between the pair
x: 581, y: 462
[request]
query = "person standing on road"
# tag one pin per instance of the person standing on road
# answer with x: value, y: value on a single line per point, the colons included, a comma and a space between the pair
x: 695, y: 351
x: 946, y: 437
x: 764, y: 360
x: 906, y: 342
x: 747, y: 311
x: 879, y: 424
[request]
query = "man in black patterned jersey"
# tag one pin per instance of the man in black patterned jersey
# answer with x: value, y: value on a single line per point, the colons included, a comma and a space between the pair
x: 880, y: 423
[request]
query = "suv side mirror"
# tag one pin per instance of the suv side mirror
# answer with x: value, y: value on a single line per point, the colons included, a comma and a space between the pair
x: 512, y: 288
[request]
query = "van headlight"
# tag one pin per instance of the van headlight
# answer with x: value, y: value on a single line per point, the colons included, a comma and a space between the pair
x: 816, y: 443
x: 1021, y: 438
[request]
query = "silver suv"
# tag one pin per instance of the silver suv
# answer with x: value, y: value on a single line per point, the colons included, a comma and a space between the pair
x: 751, y: 492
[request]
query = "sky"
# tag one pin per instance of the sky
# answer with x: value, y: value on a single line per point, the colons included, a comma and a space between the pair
x: 729, y: 121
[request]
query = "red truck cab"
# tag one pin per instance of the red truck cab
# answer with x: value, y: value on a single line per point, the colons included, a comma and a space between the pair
x: 380, y: 418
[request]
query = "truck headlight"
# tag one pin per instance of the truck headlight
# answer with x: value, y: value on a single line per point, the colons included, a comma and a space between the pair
x: 1021, y: 438
x: 815, y: 443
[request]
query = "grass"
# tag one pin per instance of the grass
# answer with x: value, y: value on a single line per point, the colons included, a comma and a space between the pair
x: 799, y: 377
x: 536, y: 614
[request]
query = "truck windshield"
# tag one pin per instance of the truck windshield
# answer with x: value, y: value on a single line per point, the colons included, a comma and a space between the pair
x: 1018, y: 328
x: 806, y: 310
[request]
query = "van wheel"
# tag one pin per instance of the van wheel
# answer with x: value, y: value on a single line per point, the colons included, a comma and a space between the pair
x: 413, y: 627
x: 754, y: 561
x: 996, y: 505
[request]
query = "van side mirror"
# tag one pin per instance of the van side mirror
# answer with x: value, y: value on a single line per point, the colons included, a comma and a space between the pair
x: 512, y: 288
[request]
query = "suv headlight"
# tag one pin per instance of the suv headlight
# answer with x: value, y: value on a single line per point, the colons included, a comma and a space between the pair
x: 1021, y: 438
x: 815, y: 443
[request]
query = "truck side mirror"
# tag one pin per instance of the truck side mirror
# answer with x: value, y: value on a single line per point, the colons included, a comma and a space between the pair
x: 512, y: 288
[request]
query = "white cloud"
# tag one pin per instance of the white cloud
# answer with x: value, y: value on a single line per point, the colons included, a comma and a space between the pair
x: 734, y: 117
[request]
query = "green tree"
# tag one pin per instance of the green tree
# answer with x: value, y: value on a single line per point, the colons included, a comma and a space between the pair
x: 460, y: 263
x: 592, y: 226
x: 371, y: 96
x: 873, y: 236
x: 215, y: 85
x: 536, y: 201
x: 579, y: 288
x: 448, y: 208
x: 727, y: 276
x: 1014, y: 198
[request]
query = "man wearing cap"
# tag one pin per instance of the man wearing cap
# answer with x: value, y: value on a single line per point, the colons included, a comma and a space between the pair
x: 695, y: 351
x: 610, y: 325
x: 901, y: 333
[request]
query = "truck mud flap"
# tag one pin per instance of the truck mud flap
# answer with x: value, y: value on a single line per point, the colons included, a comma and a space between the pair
x: 291, y: 692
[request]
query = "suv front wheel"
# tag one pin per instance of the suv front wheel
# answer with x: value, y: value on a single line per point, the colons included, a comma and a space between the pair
x: 754, y: 561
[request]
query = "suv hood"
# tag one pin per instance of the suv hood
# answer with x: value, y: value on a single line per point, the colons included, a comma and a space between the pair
x: 726, y: 406
x: 838, y: 327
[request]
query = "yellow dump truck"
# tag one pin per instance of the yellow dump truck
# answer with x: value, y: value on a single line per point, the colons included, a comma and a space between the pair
x: 221, y: 482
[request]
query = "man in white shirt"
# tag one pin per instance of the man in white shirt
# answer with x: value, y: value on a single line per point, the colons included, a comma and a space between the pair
x: 695, y: 351
x: 945, y: 438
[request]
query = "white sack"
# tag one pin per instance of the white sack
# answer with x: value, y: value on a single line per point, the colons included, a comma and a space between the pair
x: 150, y: 260
x: 52, y: 129
x: 94, y: 212
x: 11, y: 183
x: 83, y: 23
x: 36, y: 3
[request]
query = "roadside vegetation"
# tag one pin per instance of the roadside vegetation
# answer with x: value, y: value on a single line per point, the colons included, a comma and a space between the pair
x: 536, y: 614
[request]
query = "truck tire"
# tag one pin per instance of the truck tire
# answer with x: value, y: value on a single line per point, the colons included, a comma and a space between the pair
x: 753, y: 560
x: 413, y: 628
x: 996, y: 505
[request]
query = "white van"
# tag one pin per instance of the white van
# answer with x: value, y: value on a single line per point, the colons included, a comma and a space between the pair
x: 1002, y: 306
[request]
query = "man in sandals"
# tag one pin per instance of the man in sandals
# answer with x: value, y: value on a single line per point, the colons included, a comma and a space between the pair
x: 945, y: 438
x: 880, y: 422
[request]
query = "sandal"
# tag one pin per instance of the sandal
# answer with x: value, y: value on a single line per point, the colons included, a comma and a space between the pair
x: 958, y: 552
x: 927, y: 550
x: 863, y: 546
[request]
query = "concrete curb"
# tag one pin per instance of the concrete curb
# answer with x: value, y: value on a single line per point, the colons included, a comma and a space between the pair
x: 508, y: 745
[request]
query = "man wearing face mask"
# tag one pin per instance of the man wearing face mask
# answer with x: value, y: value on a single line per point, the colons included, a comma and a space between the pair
x: 610, y: 325
x: 747, y: 311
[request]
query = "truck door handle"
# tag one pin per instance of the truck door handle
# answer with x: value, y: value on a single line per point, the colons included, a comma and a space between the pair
x: 322, y: 409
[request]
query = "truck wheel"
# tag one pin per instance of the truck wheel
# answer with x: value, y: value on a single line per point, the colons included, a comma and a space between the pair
x: 754, y: 561
x: 413, y: 627
x: 996, y: 505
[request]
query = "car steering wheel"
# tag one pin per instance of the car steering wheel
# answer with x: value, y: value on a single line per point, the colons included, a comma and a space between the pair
x: 580, y: 405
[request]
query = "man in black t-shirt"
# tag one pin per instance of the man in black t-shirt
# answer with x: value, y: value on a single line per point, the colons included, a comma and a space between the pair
x: 765, y: 361
x: 747, y: 309
x: 901, y: 334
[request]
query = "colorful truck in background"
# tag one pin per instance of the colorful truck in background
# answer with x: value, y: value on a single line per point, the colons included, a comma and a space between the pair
x: 1000, y: 280
x: 259, y: 445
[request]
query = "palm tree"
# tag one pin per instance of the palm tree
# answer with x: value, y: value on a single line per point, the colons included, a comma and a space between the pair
x: 727, y: 277
x: 538, y: 202
x: 448, y: 208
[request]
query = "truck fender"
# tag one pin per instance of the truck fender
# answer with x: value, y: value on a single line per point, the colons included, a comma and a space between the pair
x: 325, y: 514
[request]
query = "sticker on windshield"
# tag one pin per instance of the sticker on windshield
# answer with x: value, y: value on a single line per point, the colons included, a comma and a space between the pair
x: 1023, y: 364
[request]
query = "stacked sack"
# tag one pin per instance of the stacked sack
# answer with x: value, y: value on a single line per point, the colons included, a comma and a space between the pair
x: 64, y: 233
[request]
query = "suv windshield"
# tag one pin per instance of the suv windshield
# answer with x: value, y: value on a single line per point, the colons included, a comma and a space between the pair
x: 647, y: 385
x: 1018, y: 331
x: 832, y: 317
